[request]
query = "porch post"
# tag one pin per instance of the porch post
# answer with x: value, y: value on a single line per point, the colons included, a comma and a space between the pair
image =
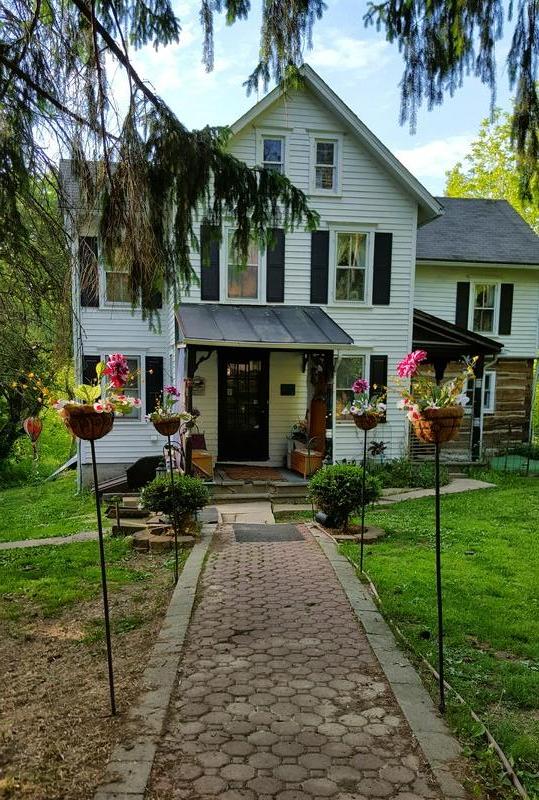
x: 477, y: 409
x: 330, y: 376
x: 191, y: 368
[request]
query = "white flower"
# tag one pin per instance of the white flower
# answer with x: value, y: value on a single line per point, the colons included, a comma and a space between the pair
x: 463, y: 399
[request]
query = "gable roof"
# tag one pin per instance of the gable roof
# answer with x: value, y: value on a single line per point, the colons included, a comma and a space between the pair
x: 429, y: 206
x: 479, y: 231
x: 440, y: 337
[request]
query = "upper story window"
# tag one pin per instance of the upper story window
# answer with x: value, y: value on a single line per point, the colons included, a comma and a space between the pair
x: 117, y: 285
x: 484, y: 307
x: 325, y: 165
x: 273, y: 153
x: 242, y: 279
x: 349, y: 368
x: 350, y: 266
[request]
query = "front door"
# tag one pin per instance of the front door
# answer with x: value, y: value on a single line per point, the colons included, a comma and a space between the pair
x: 243, y: 405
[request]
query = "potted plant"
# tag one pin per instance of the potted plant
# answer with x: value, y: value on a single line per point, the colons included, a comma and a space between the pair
x: 366, y: 409
x: 91, y: 415
x: 434, y: 409
x: 166, y: 417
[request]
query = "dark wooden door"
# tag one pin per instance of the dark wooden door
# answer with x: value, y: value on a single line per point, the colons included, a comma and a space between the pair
x: 243, y: 405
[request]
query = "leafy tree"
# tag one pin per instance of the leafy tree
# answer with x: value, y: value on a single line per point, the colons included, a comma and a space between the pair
x: 157, y: 176
x: 490, y: 169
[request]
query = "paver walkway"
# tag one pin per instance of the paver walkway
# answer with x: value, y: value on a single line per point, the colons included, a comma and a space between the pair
x: 280, y: 694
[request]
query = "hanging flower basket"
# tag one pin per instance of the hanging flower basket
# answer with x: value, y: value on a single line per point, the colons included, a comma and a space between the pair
x: 84, y: 422
x: 32, y: 427
x: 168, y: 426
x: 437, y: 425
x: 366, y: 421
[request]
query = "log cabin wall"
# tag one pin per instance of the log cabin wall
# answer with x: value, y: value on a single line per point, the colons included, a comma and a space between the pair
x: 510, y: 422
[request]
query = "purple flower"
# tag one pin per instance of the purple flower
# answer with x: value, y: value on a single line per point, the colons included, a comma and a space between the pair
x: 360, y: 385
x: 172, y: 391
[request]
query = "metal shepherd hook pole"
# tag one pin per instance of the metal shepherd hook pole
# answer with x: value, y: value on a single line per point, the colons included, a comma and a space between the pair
x: 363, y: 484
x: 174, y: 514
x: 439, y: 581
x: 103, y: 581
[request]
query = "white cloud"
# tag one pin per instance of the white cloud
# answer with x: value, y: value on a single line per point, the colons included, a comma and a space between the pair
x: 433, y: 159
x: 339, y: 52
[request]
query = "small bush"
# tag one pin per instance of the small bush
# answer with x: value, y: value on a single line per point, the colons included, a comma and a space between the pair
x: 403, y: 473
x: 337, y: 491
x: 190, y: 494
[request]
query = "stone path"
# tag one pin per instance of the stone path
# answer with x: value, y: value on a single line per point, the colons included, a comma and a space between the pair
x: 280, y: 694
x: 84, y: 536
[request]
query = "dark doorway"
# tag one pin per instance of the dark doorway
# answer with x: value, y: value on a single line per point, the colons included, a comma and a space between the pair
x: 243, y: 405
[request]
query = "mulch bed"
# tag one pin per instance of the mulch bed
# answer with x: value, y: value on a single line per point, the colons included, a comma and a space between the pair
x: 56, y: 732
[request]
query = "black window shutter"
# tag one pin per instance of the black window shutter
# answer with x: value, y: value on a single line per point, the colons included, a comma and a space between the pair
x: 156, y: 298
x: 89, y: 364
x: 209, y: 262
x: 506, y: 309
x: 381, y: 284
x: 319, y: 267
x: 275, y: 268
x: 463, y: 304
x: 88, y: 272
x: 154, y: 381
x: 378, y: 375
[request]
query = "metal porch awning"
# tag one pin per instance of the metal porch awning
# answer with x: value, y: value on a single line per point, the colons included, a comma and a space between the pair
x: 441, y: 338
x: 283, y: 326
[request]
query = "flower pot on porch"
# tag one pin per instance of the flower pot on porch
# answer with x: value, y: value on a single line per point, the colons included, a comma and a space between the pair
x: 84, y: 422
x: 168, y: 426
x: 438, y: 425
x: 366, y: 421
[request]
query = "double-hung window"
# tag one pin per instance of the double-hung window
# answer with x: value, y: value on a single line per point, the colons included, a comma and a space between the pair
x: 489, y: 392
x: 325, y: 165
x: 349, y: 368
x: 117, y: 285
x: 242, y: 279
x: 273, y: 153
x: 133, y: 387
x: 350, y: 266
x: 484, y: 307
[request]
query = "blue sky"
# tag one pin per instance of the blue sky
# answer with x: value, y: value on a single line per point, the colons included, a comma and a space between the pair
x: 358, y: 64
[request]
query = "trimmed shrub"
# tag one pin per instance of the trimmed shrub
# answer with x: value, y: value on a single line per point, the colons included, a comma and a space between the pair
x: 405, y: 474
x: 337, y: 491
x: 190, y: 493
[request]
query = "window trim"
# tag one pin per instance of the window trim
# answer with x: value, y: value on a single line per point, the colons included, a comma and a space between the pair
x: 334, y: 232
x: 337, y: 140
x: 471, y: 311
x: 366, y: 370
x: 261, y: 295
x: 491, y: 408
x: 271, y: 133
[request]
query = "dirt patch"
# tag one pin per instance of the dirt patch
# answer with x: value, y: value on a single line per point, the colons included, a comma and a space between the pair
x: 55, y: 729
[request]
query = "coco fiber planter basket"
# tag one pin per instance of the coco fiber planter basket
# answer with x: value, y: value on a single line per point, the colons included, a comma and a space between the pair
x: 167, y: 427
x: 366, y: 421
x: 439, y: 425
x: 84, y: 422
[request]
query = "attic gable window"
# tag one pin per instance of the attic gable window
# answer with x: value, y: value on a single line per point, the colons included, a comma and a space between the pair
x: 273, y: 153
x: 325, y: 178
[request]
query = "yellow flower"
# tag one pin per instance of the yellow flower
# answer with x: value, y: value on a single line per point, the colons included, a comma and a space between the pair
x: 14, y: 385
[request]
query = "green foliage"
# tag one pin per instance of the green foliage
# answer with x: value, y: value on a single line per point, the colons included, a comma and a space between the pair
x: 54, y: 447
x: 337, y: 491
x: 46, y: 509
x: 189, y: 493
x: 490, y: 170
x: 491, y: 602
x: 403, y: 473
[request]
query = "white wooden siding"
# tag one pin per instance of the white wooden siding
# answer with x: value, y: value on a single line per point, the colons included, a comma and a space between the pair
x: 436, y: 291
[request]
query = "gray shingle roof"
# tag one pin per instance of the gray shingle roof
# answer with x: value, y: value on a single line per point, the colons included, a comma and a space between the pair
x: 487, y: 231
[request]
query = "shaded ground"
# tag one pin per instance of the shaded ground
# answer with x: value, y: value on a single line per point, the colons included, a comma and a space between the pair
x: 280, y: 694
x: 55, y: 728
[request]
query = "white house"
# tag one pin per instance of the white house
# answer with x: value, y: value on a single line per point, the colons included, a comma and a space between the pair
x: 284, y: 337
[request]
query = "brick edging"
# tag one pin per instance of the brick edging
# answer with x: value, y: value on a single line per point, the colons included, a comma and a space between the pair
x: 439, y: 746
x: 128, y: 771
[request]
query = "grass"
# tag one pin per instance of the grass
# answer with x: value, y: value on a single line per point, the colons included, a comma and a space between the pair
x: 54, y: 448
x: 36, y: 511
x: 45, y: 580
x: 491, y: 602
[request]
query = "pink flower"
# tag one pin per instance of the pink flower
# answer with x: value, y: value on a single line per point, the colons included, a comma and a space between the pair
x: 117, y: 369
x: 172, y: 391
x: 101, y: 407
x: 413, y: 413
x: 410, y: 363
x: 360, y: 385
x: 137, y: 402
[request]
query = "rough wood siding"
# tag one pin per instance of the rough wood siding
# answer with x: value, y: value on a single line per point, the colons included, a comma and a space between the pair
x: 510, y: 422
x: 106, y: 330
x: 436, y: 291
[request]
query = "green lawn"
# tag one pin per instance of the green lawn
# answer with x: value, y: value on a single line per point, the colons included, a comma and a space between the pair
x: 491, y: 595
x: 36, y: 511
x: 46, y: 579
x: 54, y: 447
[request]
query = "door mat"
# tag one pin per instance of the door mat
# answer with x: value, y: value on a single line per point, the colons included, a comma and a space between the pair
x: 253, y: 473
x: 266, y: 533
